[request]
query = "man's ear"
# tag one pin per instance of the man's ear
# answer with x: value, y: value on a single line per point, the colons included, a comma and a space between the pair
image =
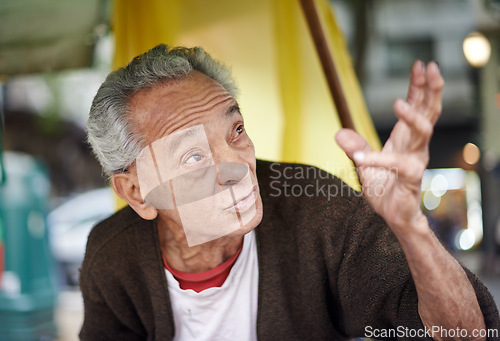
x: 128, y: 189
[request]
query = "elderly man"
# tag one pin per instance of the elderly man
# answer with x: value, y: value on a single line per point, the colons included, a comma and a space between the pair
x: 205, y: 252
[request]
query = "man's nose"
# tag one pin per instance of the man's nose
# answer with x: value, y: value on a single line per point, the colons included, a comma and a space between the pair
x: 230, y: 173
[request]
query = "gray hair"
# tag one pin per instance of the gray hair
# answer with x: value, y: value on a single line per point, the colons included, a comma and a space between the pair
x: 108, y: 129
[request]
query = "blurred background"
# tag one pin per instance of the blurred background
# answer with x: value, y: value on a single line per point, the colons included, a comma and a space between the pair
x: 54, y: 55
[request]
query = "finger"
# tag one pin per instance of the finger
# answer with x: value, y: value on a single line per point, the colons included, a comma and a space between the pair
x: 403, y: 166
x: 433, y: 92
x: 420, y: 125
x: 351, y: 142
x: 417, y: 83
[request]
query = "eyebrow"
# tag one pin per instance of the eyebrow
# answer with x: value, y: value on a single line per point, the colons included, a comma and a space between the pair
x: 234, y: 109
x: 179, y: 139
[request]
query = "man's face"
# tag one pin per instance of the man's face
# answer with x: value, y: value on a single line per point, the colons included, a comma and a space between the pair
x: 198, y: 168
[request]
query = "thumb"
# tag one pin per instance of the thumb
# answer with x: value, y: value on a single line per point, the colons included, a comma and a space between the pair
x: 351, y: 142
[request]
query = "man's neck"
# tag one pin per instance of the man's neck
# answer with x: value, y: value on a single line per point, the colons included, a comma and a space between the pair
x: 198, y: 258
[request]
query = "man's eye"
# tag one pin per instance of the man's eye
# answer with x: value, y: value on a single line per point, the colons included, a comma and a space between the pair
x: 240, y: 130
x: 194, y: 159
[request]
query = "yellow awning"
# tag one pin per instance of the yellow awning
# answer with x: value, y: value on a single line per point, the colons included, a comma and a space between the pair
x: 288, y: 110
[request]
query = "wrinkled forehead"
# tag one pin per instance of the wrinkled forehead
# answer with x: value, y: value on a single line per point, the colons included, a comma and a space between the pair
x: 171, y: 105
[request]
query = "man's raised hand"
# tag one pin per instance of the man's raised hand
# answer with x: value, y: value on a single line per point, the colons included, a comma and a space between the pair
x: 391, y: 178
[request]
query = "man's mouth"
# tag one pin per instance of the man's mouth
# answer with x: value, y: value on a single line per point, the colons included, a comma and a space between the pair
x: 243, y: 203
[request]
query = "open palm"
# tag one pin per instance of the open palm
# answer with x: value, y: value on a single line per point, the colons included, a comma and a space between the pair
x: 391, y: 178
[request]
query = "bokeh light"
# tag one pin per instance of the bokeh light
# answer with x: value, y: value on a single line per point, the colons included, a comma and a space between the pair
x: 439, y: 185
x: 477, y: 49
x: 471, y: 153
x: 466, y: 239
x: 431, y: 201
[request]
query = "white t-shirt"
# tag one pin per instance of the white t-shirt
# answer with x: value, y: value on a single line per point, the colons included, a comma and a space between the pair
x: 228, y: 312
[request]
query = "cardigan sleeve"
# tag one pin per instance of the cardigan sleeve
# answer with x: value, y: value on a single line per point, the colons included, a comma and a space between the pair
x: 376, y: 289
x: 116, y: 305
x: 100, y: 322
x: 123, y: 282
x: 486, y: 303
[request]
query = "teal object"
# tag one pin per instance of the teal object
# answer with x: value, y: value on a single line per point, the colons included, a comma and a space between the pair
x: 2, y: 171
x: 27, y: 287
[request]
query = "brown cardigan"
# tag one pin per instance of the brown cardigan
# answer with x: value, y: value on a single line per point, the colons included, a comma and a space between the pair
x: 328, y: 267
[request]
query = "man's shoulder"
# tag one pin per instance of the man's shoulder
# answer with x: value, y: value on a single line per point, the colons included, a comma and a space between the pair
x: 273, y: 170
x: 112, y: 229
x: 301, y: 180
x: 294, y: 193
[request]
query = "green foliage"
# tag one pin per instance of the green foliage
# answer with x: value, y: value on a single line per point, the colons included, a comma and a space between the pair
x: 50, y: 121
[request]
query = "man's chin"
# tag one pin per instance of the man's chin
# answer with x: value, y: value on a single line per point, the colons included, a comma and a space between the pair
x: 201, y: 225
x: 251, y: 223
